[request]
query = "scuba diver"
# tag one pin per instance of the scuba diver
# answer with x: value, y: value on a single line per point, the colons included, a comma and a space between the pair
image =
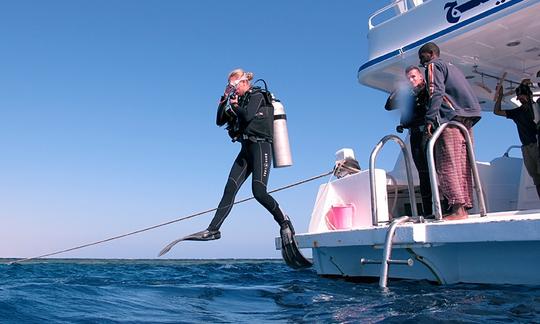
x: 249, y: 115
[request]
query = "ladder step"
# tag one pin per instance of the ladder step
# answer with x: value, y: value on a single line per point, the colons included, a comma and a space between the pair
x: 368, y: 261
x: 408, y: 262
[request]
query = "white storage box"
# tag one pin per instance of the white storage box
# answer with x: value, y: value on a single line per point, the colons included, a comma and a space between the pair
x: 352, y: 189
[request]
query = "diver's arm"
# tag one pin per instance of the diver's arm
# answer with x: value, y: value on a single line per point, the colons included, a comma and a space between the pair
x: 228, y: 98
x: 221, y: 118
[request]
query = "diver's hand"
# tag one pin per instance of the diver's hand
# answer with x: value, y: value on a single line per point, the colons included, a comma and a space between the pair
x: 231, y: 95
x: 228, y: 90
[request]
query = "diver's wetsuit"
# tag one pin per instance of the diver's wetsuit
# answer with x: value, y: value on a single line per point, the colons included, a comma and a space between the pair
x: 251, y: 123
x: 255, y: 159
x: 255, y: 117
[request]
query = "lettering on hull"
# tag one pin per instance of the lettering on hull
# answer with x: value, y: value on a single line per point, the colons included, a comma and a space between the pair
x: 454, y: 11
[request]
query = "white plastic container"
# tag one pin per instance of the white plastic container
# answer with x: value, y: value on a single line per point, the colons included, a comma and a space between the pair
x: 353, y: 189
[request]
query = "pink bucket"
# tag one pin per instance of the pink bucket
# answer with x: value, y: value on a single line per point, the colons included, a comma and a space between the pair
x: 340, y: 216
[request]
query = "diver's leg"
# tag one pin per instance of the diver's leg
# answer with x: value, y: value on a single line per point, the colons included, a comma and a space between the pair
x: 261, y: 159
x: 239, y: 173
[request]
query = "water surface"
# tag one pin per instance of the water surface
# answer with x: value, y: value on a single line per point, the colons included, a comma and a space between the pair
x: 240, y: 291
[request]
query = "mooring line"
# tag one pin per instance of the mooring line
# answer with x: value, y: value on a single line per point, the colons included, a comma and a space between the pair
x: 166, y: 223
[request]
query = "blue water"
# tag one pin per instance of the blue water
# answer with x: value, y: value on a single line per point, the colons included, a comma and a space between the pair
x: 239, y: 291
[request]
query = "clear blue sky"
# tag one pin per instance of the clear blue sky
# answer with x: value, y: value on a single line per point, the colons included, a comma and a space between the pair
x: 107, y: 118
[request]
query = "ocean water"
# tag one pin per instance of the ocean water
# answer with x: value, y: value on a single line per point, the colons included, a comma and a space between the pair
x: 240, y: 291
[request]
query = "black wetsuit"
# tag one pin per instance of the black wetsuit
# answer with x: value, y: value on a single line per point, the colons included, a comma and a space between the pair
x: 255, y: 118
x: 413, y: 117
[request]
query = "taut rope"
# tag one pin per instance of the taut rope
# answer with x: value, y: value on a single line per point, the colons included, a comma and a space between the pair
x: 166, y: 223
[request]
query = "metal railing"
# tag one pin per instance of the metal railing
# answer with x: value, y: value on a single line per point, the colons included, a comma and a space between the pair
x: 406, y: 156
x: 402, y: 7
x: 433, y: 172
x: 506, y: 154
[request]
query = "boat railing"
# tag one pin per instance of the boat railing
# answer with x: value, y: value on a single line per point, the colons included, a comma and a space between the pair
x: 506, y: 154
x: 398, y: 8
x: 433, y: 172
x: 372, y: 184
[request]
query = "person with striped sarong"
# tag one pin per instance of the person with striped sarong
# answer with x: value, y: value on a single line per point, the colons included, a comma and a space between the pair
x: 451, y: 98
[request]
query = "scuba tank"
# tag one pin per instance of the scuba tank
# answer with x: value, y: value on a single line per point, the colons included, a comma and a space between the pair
x: 280, y: 145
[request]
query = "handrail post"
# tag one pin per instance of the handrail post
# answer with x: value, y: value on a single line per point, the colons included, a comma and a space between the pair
x: 374, y: 153
x: 433, y: 172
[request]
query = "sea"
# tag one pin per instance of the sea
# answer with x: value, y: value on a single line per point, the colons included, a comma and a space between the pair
x: 240, y: 291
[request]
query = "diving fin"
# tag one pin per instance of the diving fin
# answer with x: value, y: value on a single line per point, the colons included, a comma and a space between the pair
x: 289, y: 249
x: 206, y: 235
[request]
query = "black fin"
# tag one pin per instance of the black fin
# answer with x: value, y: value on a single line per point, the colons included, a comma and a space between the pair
x: 289, y: 250
x: 205, y: 235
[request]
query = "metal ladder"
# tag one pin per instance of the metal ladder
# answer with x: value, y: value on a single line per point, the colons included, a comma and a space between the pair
x: 387, y: 253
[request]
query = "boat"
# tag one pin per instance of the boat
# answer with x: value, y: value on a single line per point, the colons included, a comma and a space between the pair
x: 491, y: 41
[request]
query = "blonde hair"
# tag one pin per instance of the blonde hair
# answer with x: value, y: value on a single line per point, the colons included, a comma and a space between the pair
x: 240, y: 73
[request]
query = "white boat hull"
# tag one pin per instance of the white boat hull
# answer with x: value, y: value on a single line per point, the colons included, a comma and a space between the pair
x: 477, y: 250
x: 487, y: 40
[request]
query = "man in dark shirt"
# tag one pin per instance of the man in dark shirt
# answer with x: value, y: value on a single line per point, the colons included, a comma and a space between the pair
x: 413, y: 104
x: 451, y: 98
x: 523, y: 116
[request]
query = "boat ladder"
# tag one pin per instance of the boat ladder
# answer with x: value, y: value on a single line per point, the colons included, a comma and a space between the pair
x: 387, y: 253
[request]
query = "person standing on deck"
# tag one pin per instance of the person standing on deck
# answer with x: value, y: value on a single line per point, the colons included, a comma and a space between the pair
x: 413, y: 114
x: 451, y: 98
x: 523, y: 116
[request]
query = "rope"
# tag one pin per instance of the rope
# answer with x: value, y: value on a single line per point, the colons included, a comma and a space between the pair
x: 165, y: 223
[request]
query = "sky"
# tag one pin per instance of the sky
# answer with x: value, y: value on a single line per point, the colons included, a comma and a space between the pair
x: 107, y: 118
